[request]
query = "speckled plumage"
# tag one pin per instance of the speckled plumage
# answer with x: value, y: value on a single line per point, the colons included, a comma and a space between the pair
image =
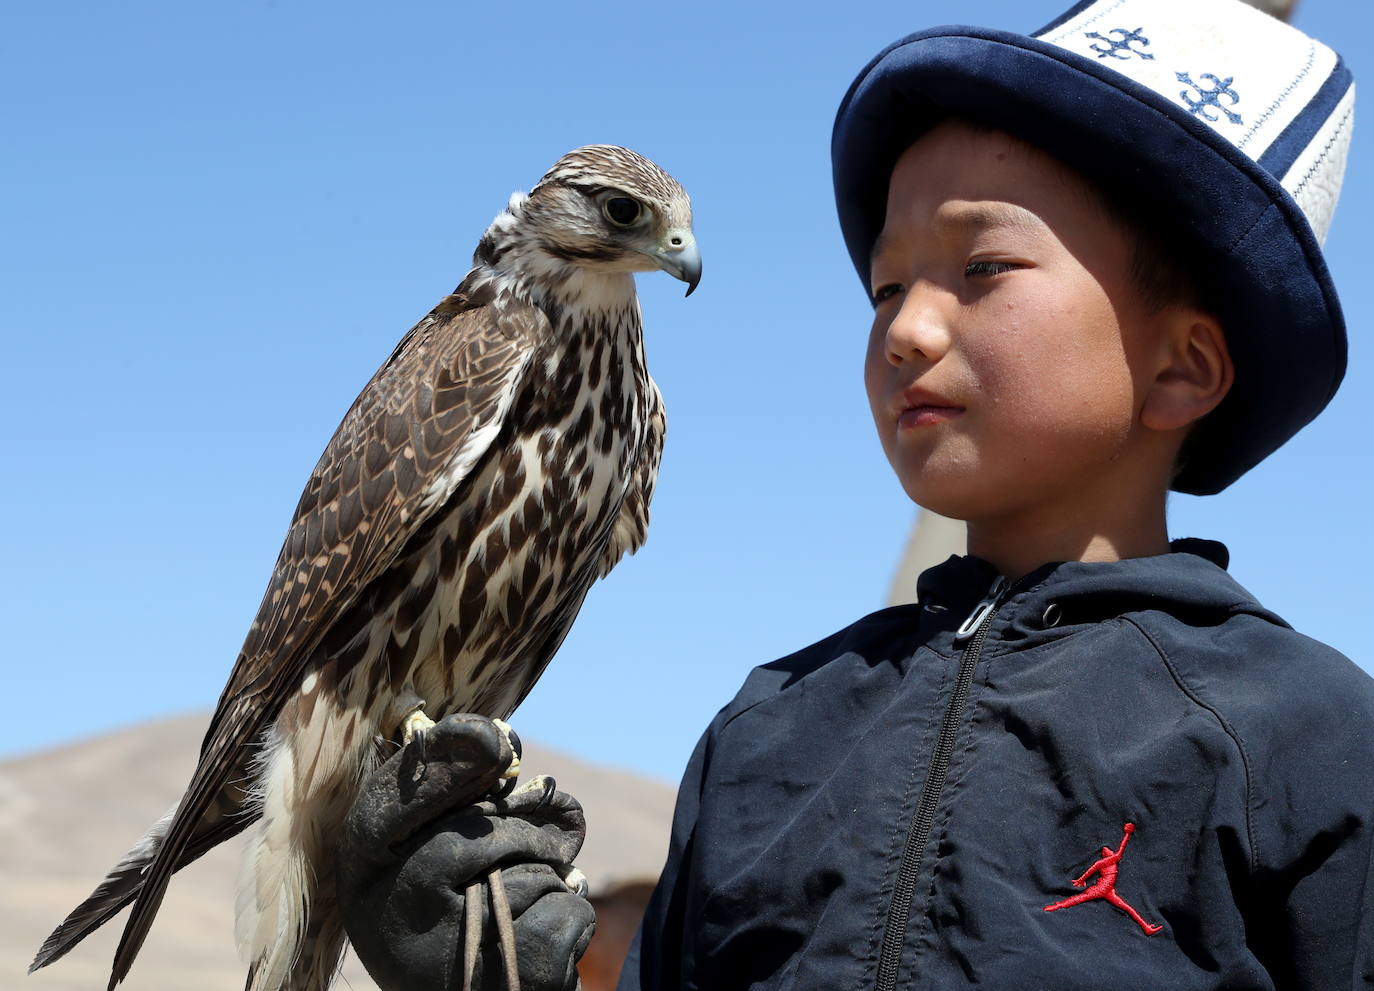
x: 500, y: 461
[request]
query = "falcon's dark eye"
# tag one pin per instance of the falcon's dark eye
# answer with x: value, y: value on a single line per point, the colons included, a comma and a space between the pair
x: 621, y: 210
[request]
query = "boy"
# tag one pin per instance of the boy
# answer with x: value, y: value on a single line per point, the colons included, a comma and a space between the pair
x: 1086, y: 758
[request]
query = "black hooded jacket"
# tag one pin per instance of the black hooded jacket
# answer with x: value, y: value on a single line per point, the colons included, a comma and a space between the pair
x: 899, y: 806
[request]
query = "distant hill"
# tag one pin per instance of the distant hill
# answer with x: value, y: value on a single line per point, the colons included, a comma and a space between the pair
x: 66, y: 815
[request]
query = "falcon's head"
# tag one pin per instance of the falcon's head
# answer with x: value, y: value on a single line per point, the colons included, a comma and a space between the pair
x: 606, y: 209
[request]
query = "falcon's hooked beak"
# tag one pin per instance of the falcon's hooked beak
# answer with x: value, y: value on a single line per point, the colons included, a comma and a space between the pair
x: 679, y: 257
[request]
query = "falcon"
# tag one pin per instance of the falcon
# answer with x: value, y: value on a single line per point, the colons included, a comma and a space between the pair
x: 498, y: 463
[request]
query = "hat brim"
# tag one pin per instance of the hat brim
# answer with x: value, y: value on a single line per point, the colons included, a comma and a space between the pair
x: 1261, y: 265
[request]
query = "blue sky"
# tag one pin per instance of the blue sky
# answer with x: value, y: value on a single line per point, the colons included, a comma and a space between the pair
x: 218, y: 219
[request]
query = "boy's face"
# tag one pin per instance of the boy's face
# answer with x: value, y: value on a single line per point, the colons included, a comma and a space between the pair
x: 1010, y: 351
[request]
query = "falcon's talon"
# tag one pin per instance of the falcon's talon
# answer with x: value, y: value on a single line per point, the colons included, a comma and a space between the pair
x: 416, y: 723
x: 576, y: 881
x: 513, y: 769
x: 540, y: 782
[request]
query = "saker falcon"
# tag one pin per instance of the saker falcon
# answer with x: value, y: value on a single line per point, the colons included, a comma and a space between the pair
x: 499, y: 462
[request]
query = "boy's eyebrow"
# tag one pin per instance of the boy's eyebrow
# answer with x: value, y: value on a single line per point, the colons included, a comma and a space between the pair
x: 879, y: 246
x: 977, y: 216
x: 974, y: 216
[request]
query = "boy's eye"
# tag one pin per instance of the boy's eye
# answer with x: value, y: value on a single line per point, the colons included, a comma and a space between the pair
x: 885, y: 292
x: 987, y: 268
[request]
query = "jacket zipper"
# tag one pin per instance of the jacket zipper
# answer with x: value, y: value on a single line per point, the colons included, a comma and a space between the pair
x: 972, y: 634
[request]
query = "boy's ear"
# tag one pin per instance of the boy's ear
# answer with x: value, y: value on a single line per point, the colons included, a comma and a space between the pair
x: 1193, y: 370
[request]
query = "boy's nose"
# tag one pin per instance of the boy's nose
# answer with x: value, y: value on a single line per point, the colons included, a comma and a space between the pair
x: 921, y: 327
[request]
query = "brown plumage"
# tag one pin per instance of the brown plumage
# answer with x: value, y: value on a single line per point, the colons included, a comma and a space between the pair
x: 500, y: 461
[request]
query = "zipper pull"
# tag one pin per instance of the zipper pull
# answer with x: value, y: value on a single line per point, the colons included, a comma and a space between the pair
x: 981, y: 611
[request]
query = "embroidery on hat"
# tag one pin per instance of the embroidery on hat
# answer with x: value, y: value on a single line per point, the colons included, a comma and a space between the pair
x: 1282, y: 97
x: 1325, y: 153
x: 1069, y: 27
x: 1107, y: 867
x: 1209, y: 99
x: 1120, y: 48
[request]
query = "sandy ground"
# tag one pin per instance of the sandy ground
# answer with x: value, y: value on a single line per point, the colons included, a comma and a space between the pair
x: 66, y: 815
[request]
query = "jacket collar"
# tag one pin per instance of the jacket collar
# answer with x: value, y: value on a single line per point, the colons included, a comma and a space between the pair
x: 1189, y: 581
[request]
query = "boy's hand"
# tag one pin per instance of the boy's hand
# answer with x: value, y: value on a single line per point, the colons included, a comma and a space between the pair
x: 443, y: 877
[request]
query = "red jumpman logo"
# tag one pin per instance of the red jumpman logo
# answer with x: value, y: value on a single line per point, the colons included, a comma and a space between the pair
x: 1105, y: 886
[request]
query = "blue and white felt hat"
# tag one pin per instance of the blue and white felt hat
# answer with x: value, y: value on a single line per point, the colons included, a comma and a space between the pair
x: 1227, y: 124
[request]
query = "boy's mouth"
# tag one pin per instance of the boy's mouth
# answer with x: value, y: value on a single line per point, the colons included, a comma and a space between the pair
x: 926, y: 416
x: 921, y: 408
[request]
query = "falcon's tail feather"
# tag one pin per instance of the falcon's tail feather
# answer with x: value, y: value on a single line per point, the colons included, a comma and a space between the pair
x: 211, y: 811
x: 128, y: 880
x: 120, y: 886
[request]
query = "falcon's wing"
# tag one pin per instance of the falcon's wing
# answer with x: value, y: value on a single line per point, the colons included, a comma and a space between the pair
x: 403, y: 448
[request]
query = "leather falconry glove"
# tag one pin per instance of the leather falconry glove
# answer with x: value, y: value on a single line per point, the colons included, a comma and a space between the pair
x: 450, y: 880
